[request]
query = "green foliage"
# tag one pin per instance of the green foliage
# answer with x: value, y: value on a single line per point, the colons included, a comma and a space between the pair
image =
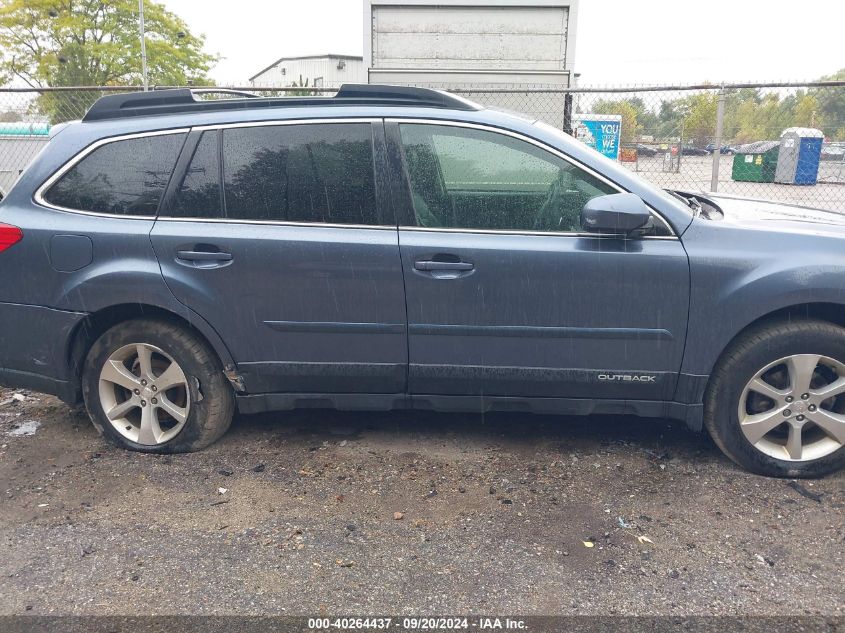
x: 750, y: 114
x: 761, y: 117
x: 699, y: 118
x: 95, y: 43
x: 300, y: 93
x: 630, y: 129
x: 831, y: 107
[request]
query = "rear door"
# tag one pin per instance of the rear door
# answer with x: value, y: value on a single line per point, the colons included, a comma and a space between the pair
x: 278, y: 235
x: 506, y: 295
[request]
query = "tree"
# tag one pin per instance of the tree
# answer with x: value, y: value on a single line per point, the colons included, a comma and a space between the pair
x: 806, y: 111
x: 302, y: 84
x: 647, y: 120
x: 669, y: 119
x: 831, y: 107
x: 629, y: 117
x: 700, y: 117
x: 95, y: 43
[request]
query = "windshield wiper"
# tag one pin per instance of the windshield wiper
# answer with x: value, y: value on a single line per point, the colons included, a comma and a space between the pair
x: 691, y: 201
x: 695, y: 204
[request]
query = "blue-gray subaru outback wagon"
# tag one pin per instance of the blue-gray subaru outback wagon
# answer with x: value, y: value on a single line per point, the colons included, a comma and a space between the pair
x: 168, y: 259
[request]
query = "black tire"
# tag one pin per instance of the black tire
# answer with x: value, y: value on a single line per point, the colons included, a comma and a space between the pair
x: 747, y: 355
x: 212, y: 397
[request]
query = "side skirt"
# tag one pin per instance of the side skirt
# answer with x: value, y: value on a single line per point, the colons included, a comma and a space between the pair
x: 691, y: 415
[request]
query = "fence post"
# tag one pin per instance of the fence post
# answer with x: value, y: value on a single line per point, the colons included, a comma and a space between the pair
x: 680, y: 147
x: 717, y: 152
x: 567, y: 113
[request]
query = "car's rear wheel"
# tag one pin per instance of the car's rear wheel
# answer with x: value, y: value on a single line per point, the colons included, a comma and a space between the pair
x: 776, y: 401
x: 154, y: 386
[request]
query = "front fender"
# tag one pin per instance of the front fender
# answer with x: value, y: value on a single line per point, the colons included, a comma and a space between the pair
x: 740, y: 275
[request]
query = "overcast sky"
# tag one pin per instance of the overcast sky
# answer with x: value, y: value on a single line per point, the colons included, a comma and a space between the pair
x: 618, y: 41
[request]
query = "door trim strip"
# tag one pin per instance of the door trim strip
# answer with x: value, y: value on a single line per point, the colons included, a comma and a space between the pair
x: 527, y: 331
x: 336, y: 327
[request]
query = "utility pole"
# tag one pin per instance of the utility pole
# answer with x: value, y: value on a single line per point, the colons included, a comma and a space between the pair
x: 143, y: 43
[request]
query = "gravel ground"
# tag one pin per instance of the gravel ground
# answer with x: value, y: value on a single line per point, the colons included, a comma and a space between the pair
x: 296, y: 513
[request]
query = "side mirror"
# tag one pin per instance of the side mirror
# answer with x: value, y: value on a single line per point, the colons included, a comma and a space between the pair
x: 617, y: 213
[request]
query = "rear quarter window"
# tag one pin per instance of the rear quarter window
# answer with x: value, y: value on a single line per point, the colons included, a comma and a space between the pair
x: 125, y: 177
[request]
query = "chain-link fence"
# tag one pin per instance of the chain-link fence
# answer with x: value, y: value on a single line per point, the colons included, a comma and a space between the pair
x: 783, y: 142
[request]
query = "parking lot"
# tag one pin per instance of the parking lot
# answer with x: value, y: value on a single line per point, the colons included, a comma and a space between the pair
x: 695, y: 173
x: 329, y: 512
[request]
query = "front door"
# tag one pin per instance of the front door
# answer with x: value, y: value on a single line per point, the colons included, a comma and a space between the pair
x: 276, y: 234
x: 506, y: 296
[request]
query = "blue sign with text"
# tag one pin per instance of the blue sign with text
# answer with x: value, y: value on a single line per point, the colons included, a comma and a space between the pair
x: 602, y: 132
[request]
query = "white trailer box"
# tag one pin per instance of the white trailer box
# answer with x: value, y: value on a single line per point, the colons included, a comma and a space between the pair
x: 471, y: 44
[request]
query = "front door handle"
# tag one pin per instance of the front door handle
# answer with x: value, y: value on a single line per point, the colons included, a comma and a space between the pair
x: 430, y: 265
x: 204, y: 256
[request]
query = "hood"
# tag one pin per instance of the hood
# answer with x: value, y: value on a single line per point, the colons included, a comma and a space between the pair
x: 767, y: 214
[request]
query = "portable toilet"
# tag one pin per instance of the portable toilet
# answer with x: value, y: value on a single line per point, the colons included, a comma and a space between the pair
x: 800, y: 152
x: 756, y: 162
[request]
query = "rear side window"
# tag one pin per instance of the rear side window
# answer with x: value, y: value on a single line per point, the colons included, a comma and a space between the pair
x: 125, y: 177
x: 315, y: 173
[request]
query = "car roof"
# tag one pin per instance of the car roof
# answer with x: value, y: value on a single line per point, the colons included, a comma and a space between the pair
x: 138, y: 113
x: 161, y: 110
x: 184, y: 101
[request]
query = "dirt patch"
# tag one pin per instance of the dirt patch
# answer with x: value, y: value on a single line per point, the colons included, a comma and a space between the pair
x: 295, y: 514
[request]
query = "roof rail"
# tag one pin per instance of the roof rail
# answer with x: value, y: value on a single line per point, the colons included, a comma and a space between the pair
x: 176, y: 100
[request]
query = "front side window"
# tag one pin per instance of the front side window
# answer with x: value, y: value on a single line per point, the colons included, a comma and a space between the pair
x: 466, y: 178
x: 315, y: 173
x: 126, y: 177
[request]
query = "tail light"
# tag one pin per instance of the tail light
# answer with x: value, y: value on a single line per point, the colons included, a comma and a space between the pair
x: 9, y: 236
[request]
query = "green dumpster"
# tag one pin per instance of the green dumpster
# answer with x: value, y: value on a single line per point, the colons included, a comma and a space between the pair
x: 756, y: 162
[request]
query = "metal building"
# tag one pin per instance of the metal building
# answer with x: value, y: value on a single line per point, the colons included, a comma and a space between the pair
x: 328, y: 71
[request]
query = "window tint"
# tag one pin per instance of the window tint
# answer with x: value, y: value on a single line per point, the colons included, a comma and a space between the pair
x: 300, y: 173
x: 124, y: 177
x: 475, y: 179
x: 198, y: 195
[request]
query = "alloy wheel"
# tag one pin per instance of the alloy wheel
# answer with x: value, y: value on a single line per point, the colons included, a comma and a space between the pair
x: 794, y: 408
x: 144, y: 394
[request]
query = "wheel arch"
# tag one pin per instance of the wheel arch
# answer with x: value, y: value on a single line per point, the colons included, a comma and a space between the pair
x: 823, y: 311
x: 89, y: 329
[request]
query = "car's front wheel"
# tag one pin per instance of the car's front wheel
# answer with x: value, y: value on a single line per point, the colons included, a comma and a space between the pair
x: 776, y: 401
x: 153, y: 386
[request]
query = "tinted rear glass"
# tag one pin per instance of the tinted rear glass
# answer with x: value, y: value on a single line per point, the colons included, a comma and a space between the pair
x: 300, y: 173
x: 123, y: 177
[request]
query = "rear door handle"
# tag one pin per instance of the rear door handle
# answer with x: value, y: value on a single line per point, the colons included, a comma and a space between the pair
x: 204, y: 256
x: 428, y: 264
